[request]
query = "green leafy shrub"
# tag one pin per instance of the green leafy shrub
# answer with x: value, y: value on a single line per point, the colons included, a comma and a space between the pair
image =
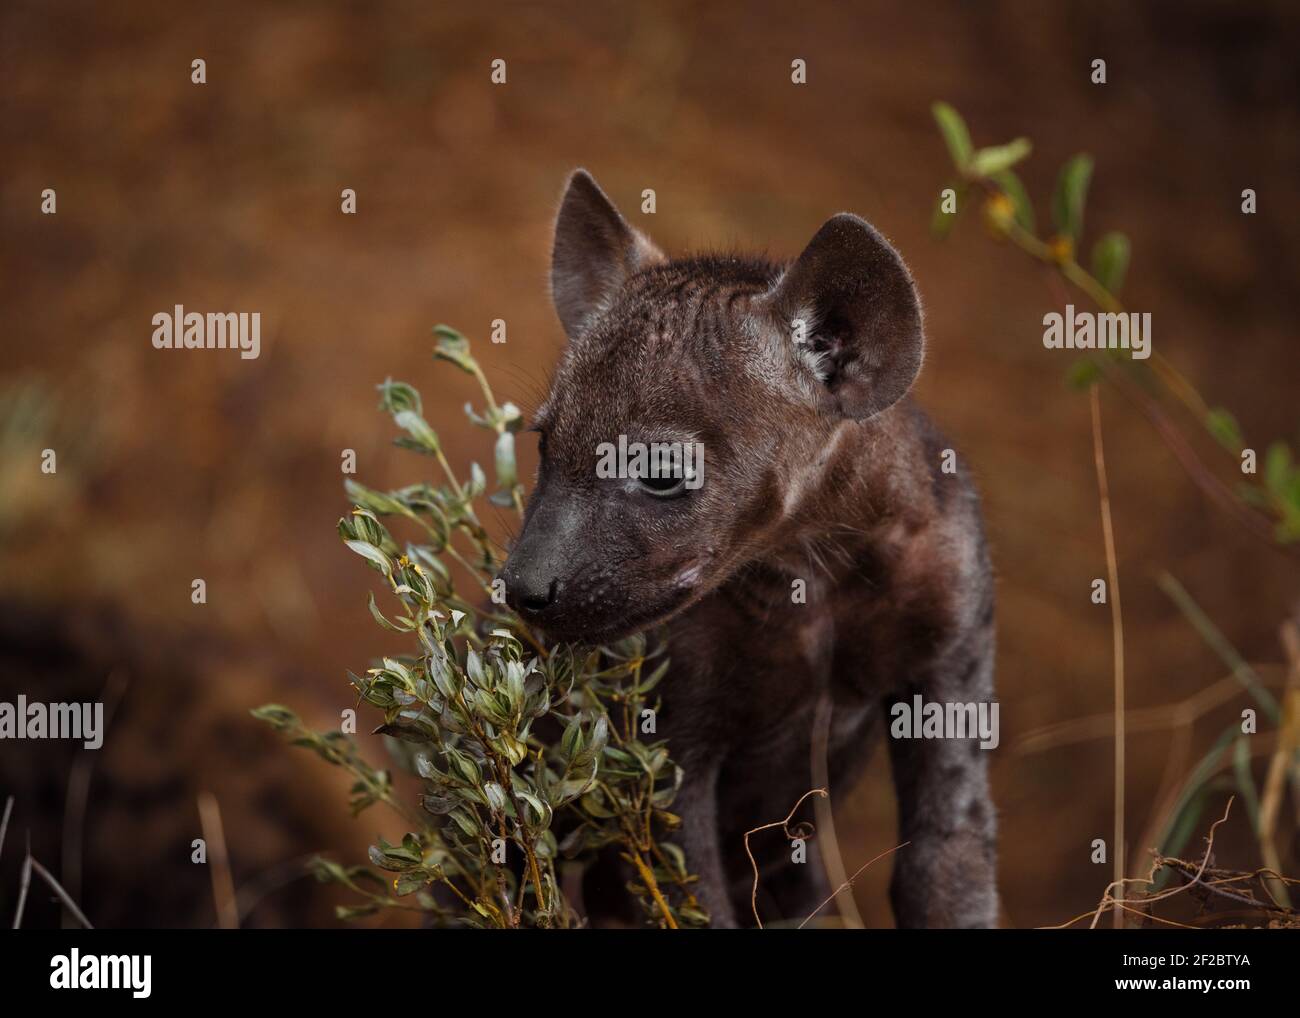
x: 1270, y: 506
x: 529, y: 753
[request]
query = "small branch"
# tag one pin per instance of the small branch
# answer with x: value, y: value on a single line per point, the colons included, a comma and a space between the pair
x: 23, y: 883
x: 4, y: 823
x: 223, y: 886
x: 63, y: 895
x: 785, y: 826
x: 849, y: 883
x: 252, y: 892
x: 1117, y: 638
x: 1216, y: 762
x: 1147, y: 719
x: 78, y: 794
x: 1219, y: 643
x: 1117, y: 903
x: 1287, y: 743
x: 652, y: 885
x: 1170, y: 787
x: 828, y: 844
x: 1064, y: 266
x: 1218, y: 492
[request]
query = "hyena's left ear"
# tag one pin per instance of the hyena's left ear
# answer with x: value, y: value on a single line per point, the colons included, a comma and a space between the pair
x: 595, y: 251
x: 861, y: 334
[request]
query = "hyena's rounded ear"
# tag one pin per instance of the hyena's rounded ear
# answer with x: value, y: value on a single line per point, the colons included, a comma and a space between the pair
x: 852, y: 314
x: 594, y: 253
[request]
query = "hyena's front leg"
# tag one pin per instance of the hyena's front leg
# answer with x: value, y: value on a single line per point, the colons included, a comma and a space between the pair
x: 947, y: 875
x: 697, y: 805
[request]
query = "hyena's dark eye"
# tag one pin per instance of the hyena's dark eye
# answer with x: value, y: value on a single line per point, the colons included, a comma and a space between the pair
x: 663, y: 487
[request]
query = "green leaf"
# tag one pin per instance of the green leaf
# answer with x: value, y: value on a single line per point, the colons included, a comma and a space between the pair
x: 446, y: 678
x: 1223, y: 426
x: 543, y: 811
x: 465, y: 821
x: 1071, y: 196
x: 349, y: 912
x: 511, y: 417
x: 496, y: 796
x: 376, y: 557
x: 276, y: 716
x: 1245, y: 780
x: 1012, y: 187
x: 474, y: 668
x: 378, y: 502
x: 477, y: 481
x: 454, y: 348
x: 676, y: 855
x: 412, y: 881
x: 955, y: 134
x: 507, y: 471
x: 402, y: 625
x: 997, y: 158
x: 571, y: 740
x: 398, y: 396
x: 465, y: 767
x: 1277, y: 468
x: 1083, y: 373
x: 418, y: 428
x: 1253, y: 495
x: 1110, y: 257
x: 438, y: 805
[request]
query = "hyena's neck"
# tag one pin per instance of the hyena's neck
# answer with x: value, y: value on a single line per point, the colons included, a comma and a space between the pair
x: 854, y: 496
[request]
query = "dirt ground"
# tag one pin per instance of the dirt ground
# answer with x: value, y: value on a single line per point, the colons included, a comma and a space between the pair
x: 226, y: 195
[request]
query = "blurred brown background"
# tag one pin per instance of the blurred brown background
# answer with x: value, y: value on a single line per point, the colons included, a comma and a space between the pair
x: 225, y: 196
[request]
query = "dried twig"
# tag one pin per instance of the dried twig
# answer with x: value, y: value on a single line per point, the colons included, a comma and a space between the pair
x: 23, y: 883
x: 1108, y: 900
x: 1220, y: 882
x: 785, y: 826
x: 74, y: 809
x: 828, y: 844
x: 1214, y: 763
x: 223, y: 886
x: 1117, y: 637
x: 1216, y: 490
x: 63, y: 895
x: 252, y: 892
x: 4, y: 822
x: 1283, y: 759
x: 1174, y: 715
x: 1219, y: 643
x: 1170, y: 792
x: 849, y: 882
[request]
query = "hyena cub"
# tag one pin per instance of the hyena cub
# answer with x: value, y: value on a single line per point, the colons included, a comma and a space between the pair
x: 827, y: 555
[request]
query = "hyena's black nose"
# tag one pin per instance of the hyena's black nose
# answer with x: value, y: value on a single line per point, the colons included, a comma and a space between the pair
x: 529, y: 593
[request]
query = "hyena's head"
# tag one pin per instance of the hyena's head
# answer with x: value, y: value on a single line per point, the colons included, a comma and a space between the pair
x: 755, y: 365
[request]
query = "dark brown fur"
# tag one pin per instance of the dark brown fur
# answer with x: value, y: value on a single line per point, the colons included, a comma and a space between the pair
x: 818, y: 468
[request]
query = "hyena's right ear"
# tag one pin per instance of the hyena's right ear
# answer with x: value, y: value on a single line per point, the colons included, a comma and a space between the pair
x: 595, y: 251
x: 864, y: 341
